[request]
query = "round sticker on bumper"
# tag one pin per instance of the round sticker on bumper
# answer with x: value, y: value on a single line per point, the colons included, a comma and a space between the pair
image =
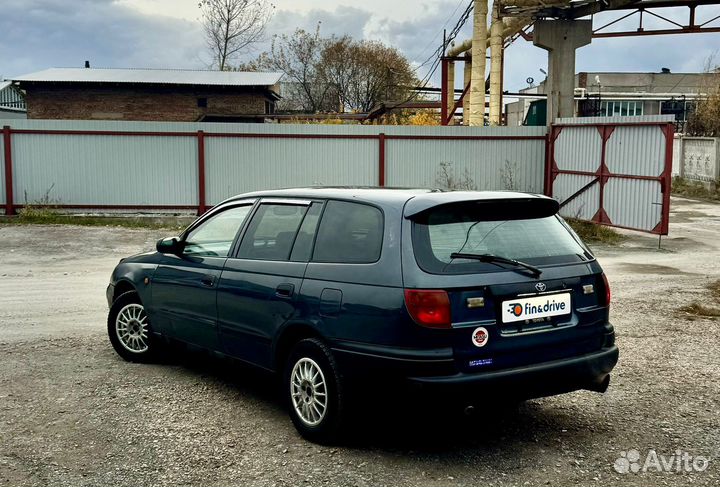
x: 480, y: 337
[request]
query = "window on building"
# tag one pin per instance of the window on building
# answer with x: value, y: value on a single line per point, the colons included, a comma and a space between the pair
x: 269, y: 107
x: 680, y: 108
x: 202, y: 102
x: 621, y: 108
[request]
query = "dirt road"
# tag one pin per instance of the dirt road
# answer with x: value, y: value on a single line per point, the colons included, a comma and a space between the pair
x: 73, y: 413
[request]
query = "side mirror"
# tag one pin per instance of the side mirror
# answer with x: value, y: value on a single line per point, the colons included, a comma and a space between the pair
x: 170, y: 245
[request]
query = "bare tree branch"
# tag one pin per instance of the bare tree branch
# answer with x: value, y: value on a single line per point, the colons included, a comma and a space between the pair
x: 232, y: 26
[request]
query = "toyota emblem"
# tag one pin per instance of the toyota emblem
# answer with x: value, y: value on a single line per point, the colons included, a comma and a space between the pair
x: 540, y: 286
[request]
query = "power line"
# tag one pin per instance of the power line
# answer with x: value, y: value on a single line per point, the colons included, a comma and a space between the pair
x: 450, y: 17
x: 437, y: 55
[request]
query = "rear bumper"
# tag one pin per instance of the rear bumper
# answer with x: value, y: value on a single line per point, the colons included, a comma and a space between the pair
x: 438, y: 373
x: 588, y: 371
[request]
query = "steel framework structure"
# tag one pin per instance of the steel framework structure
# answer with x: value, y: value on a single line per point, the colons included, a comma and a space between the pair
x: 638, y: 10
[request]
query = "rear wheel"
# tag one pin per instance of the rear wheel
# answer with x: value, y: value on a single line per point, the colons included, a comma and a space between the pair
x: 129, y: 329
x: 313, y: 388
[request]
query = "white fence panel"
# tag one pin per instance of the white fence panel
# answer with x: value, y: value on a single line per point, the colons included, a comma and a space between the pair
x: 105, y: 170
x: 471, y: 164
x: 240, y: 165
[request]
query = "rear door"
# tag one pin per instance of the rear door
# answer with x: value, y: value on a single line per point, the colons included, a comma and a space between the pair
x: 503, y: 315
x: 259, y: 285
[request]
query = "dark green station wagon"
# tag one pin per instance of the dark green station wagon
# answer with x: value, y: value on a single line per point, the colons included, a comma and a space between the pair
x: 469, y: 294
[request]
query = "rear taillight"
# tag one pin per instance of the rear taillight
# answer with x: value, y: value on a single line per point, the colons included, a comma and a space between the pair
x: 607, y: 290
x: 428, y: 308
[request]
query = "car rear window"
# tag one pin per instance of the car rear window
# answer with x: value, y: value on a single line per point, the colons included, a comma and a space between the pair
x: 444, y: 231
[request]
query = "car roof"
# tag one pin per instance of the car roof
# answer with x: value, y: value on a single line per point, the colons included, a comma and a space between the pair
x: 422, y: 198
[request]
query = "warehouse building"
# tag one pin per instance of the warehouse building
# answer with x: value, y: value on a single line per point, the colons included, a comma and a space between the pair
x: 149, y: 95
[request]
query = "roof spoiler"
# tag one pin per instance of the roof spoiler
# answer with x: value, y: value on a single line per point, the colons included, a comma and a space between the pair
x: 488, y: 206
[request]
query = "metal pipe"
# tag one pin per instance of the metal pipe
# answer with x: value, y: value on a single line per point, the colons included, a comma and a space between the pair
x: 479, y: 48
x: 467, y: 78
x: 464, y: 46
x: 496, y: 53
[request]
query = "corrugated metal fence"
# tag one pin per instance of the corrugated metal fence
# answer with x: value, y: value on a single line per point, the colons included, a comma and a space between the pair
x: 175, y: 166
x: 613, y: 170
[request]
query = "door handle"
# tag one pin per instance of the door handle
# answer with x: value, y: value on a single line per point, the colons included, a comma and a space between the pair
x: 284, y: 290
x: 208, y: 281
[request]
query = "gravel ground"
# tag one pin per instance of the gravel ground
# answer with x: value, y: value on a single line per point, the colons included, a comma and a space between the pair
x: 73, y: 413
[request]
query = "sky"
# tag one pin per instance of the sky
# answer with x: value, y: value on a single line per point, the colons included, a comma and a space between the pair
x: 38, y: 34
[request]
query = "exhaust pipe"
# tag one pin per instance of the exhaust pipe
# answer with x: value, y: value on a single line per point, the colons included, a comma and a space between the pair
x: 601, y: 386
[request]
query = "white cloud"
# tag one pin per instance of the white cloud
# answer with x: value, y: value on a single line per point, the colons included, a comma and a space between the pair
x: 37, y: 34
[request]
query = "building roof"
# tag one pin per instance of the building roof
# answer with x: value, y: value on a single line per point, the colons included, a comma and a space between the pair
x: 151, y: 76
x: 11, y: 99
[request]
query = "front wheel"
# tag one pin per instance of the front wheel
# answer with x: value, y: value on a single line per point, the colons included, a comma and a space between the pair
x: 313, y: 387
x: 129, y: 329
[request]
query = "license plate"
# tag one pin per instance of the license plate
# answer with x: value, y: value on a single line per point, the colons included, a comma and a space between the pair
x: 536, y: 307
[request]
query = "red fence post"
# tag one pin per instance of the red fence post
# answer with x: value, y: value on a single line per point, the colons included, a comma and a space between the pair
x: 9, y: 204
x: 666, y: 181
x: 549, y: 139
x: 202, y: 207
x: 381, y: 160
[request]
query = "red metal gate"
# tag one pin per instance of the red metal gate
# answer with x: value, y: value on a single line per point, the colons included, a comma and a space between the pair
x: 612, y: 173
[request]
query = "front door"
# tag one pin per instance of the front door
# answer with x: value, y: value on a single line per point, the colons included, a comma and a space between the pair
x: 184, y: 286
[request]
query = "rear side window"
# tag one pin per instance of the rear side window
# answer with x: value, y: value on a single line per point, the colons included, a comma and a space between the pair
x: 271, y: 232
x: 533, y: 240
x: 349, y: 233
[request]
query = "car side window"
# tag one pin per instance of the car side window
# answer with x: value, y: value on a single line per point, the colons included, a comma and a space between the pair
x: 302, y: 249
x: 349, y: 233
x: 271, y: 232
x: 214, y: 237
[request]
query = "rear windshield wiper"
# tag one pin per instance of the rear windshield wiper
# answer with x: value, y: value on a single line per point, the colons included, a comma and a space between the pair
x: 496, y: 258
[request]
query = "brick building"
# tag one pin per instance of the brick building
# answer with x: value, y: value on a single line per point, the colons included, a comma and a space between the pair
x: 149, y: 95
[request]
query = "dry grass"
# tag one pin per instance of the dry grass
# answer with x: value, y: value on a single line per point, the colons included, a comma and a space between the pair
x: 592, y: 233
x: 708, y: 309
x: 714, y: 288
x: 45, y: 216
x: 693, y: 189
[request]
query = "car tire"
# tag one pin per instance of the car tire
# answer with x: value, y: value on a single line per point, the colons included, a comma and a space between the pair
x: 314, y: 391
x: 130, y: 331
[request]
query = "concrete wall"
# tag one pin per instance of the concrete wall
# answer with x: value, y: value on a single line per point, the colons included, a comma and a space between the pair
x: 698, y: 158
x: 81, y: 103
